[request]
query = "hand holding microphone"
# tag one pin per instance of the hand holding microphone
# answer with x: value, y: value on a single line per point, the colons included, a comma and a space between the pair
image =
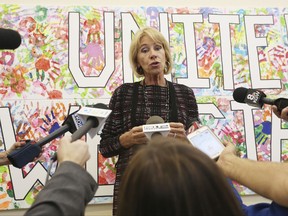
x: 135, y: 136
x: 139, y: 135
x: 31, y: 150
x: 257, y: 98
x: 283, y: 114
x: 155, y: 126
x: 77, y: 123
x: 177, y: 130
x: 67, y: 152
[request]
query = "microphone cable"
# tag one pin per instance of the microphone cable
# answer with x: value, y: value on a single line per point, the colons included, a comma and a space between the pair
x: 50, y: 166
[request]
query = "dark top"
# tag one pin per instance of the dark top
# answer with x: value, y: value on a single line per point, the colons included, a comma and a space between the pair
x: 128, y: 111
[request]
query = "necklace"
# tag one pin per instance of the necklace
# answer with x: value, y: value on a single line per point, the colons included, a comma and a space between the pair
x: 151, y: 105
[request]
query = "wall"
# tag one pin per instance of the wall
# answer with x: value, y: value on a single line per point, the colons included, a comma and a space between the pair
x: 105, y: 209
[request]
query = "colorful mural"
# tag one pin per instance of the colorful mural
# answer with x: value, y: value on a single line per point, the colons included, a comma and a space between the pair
x: 78, y: 55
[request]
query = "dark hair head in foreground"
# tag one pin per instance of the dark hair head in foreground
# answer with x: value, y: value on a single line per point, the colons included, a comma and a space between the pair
x: 170, y: 177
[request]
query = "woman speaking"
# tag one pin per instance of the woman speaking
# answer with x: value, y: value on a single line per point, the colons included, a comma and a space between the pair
x: 133, y: 103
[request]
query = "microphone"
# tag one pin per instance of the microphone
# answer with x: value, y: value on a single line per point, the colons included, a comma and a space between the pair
x: 94, y: 117
x: 9, y: 39
x: 74, y: 123
x: 155, y: 126
x: 257, y: 98
x: 27, y: 153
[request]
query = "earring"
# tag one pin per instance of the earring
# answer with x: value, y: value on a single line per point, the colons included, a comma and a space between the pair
x: 167, y: 65
x: 139, y: 70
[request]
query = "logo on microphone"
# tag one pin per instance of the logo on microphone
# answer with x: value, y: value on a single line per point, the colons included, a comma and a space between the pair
x: 157, y: 127
x: 96, y: 112
x: 150, y: 129
x: 78, y: 121
x: 253, y: 98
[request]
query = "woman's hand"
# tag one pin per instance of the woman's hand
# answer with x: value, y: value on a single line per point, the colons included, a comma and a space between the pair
x: 135, y: 136
x: 177, y: 130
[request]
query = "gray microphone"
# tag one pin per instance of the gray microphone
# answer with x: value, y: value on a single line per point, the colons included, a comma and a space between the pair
x: 92, y: 117
x: 155, y: 120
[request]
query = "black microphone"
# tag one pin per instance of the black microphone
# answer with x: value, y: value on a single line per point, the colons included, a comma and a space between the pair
x: 155, y: 126
x: 31, y: 150
x: 257, y: 98
x: 9, y: 39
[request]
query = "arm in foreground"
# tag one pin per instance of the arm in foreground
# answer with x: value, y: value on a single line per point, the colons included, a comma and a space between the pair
x: 268, y: 179
x: 71, y: 187
x: 283, y: 114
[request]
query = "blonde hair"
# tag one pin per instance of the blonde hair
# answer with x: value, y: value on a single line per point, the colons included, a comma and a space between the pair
x: 157, y: 37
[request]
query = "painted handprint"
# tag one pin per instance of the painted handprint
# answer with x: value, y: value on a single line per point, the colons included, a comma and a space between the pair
x: 50, y: 123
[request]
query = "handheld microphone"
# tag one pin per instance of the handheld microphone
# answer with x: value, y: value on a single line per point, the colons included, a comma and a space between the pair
x: 95, y: 114
x: 155, y: 126
x: 94, y: 117
x: 9, y: 39
x: 74, y: 123
x: 31, y: 150
x: 257, y: 98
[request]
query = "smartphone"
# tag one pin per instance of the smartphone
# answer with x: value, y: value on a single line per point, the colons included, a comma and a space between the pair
x: 205, y: 140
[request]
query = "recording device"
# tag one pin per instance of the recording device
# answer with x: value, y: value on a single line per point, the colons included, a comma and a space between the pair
x: 77, y: 123
x: 257, y: 98
x: 155, y: 126
x: 205, y: 140
x: 9, y: 39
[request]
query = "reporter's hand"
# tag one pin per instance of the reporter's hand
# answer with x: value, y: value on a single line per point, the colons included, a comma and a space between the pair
x: 135, y: 136
x: 227, y: 155
x: 3, y: 155
x: 77, y: 151
x: 16, y: 145
x: 283, y: 115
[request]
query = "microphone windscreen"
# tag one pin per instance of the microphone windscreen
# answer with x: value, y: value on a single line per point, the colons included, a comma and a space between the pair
x: 9, y: 39
x: 99, y: 106
x: 240, y: 94
x: 155, y: 120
